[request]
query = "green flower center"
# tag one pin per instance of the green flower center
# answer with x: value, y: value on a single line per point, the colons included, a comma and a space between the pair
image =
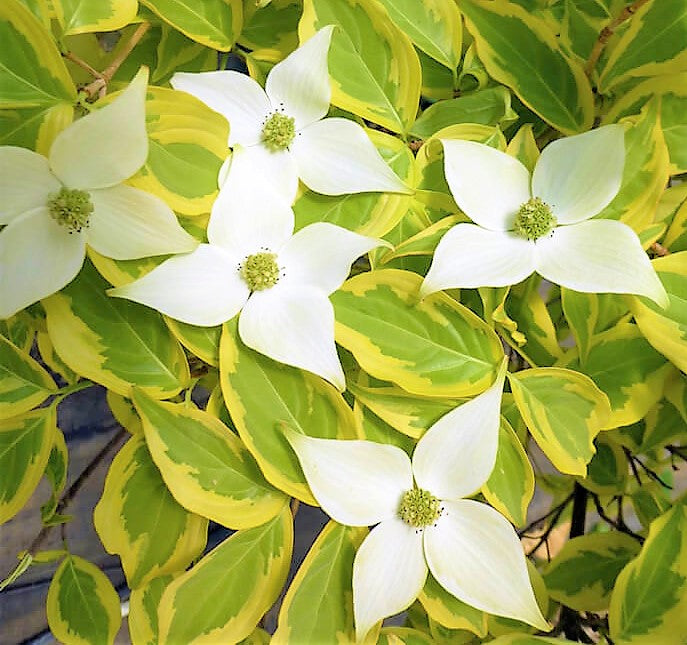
x: 71, y: 208
x: 260, y: 271
x: 419, y: 508
x: 278, y: 132
x: 534, y: 219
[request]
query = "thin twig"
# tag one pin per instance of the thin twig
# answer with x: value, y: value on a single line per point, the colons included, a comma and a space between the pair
x: 556, y: 510
x: 74, y: 489
x: 608, y: 31
x: 651, y: 473
x: 81, y: 63
x: 619, y: 523
x: 635, y: 472
x: 99, y: 85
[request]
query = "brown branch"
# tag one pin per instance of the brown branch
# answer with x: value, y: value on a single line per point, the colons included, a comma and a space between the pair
x: 618, y: 523
x: 81, y: 63
x: 555, y: 511
x: 608, y: 31
x: 99, y: 85
x: 77, y: 485
x: 659, y: 250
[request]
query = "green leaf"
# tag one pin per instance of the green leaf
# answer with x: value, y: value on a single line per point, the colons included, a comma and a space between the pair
x: 433, y: 25
x: 203, y: 342
x: 666, y: 329
x: 411, y: 415
x: 25, y: 445
x: 206, y: 467
x: 176, y: 53
x: 213, y: 23
x: 607, y: 471
x: 318, y: 606
x: 187, y: 145
x: 564, y: 411
x: 373, y: 214
x: 24, y: 384
x: 403, y: 636
x: 521, y: 51
x: 114, y: 342
x: 32, y: 72
x: 663, y: 425
x: 263, y: 396
x: 374, y: 70
x: 645, y: 173
x: 222, y: 598
x: 34, y: 128
x: 628, y: 370
x: 653, y: 44
x: 672, y: 90
x: 510, y: 486
x: 143, y: 604
x: 450, y: 612
x: 78, y: 17
x: 490, y: 106
x: 82, y: 606
x: 138, y: 519
x: 436, y: 347
x: 56, y: 473
x: 649, y: 601
x: 583, y: 573
x: 271, y: 27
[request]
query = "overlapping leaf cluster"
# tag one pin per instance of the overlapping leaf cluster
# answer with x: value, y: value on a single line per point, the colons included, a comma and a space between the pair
x: 596, y: 381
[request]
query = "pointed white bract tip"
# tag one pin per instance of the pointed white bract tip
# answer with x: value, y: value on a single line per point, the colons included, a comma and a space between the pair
x: 661, y: 298
x: 426, y: 289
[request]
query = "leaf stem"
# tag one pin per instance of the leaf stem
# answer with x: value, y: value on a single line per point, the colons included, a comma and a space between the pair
x: 607, y: 32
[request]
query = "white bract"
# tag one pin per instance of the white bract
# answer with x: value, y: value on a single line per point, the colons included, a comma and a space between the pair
x: 255, y: 264
x: 541, y: 224
x: 422, y: 520
x: 282, y: 129
x: 54, y: 207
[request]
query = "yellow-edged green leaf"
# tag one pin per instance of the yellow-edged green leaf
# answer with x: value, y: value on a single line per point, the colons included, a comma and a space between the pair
x: 373, y: 67
x: 124, y: 413
x: 202, y: 341
x: 34, y: 128
x: 32, y: 72
x: 411, y: 415
x: 666, y: 329
x: 433, y: 25
x: 510, y: 486
x: 676, y: 236
x: 527, y: 639
x: 25, y: 445
x: 424, y: 242
x: 438, y: 81
x: 56, y: 473
x: 607, y: 471
x: 523, y: 146
x: 436, y: 347
x: 450, y: 612
x: 403, y: 636
x: 177, y: 53
x: 114, y: 342
x: 629, y: 371
x: 564, y: 411
x: 653, y: 44
x: 318, y: 607
x: 82, y: 606
x: 649, y: 502
x: 526, y: 307
x: 206, y: 467
x: 581, y: 311
x: 273, y: 27
x: 373, y: 214
x: 187, y: 145
x: 24, y: 384
x: 583, y: 573
x: 663, y: 425
x: 372, y: 428
x: 490, y: 106
x: 645, y: 173
x: 20, y: 330
x: 672, y: 90
x: 581, y: 25
x: 649, y: 600
x: 520, y: 50
x: 222, y: 598
x: 262, y: 396
x: 78, y: 17
x: 138, y: 519
x: 143, y: 604
x: 52, y: 360
x: 213, y: 23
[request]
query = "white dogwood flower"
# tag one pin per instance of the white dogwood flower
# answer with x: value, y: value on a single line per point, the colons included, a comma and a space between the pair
x: 422, y: 519
x: 541, y: 224
x: 279, y: 281
x: 53, y: 207
x: 283, y: 130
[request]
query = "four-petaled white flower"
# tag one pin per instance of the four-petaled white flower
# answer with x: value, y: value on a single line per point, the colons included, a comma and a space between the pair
x: 283, y: 131
x: 423, y: 522
x: 545, y: 227
x: 255, y: 264
x: 54, y: 207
